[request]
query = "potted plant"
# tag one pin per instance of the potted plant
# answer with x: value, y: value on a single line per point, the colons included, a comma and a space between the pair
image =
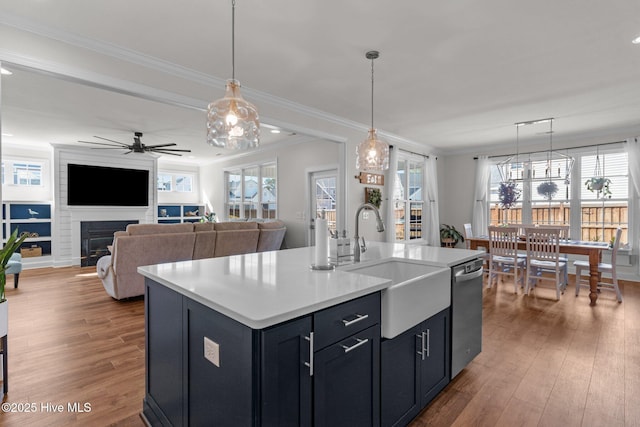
x: 508, y: 194
x: 548, y: 189
x: 13, y: 243
x: 373, y: 196
x: 599, y: 184
x: 449, y: 236
x: 209, y: 217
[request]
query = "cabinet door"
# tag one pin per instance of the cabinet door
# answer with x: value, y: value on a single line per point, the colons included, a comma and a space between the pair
x: 435, y: 366
x: 164, y: 370
x: 400, y: 362
x: 286, y: 380
x: 347, y: 381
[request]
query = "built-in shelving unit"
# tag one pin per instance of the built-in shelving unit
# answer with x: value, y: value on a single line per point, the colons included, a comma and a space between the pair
x: 179, y: 212
x: 33, y: 218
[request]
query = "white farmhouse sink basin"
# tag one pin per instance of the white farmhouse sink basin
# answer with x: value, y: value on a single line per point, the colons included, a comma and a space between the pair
x: 417, y: 292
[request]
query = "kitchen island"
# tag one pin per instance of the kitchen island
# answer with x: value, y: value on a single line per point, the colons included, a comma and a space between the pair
x: 261, y: 339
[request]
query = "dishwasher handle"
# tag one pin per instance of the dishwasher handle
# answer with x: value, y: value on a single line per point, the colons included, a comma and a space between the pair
x: 461, y: 276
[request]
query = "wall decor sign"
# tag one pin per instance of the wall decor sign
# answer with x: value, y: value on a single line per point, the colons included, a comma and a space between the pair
x: 370, y: 178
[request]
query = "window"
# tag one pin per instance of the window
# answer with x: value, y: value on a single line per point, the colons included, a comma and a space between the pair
x: 175, y: 182
x: 252, y: 192
x: 549, y: 196
x: 407, y: 198
x: 27, y: 174
x: 164, y: 182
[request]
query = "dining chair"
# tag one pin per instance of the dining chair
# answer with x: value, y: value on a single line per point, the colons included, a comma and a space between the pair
x: 543, y: 257
x: 503, y: 255
x: 564, y: 235
x: 583, y: 281
x: 468, y: 233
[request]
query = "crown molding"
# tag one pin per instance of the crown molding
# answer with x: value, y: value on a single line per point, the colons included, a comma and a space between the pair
x: 166, y: 67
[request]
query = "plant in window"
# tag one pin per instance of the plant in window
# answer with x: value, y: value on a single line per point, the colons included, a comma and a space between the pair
x: 548, y: 189
x: 449, y: 236
x: 508, y: 194
x: 599, y: 185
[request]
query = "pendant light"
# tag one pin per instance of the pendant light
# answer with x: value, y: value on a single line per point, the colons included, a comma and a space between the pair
x: 372, y: 154
x: 233, y: 122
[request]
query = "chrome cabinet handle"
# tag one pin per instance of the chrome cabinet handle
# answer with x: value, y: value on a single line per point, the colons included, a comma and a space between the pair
x: 423, y: 351
x: 310, y: 362
x: 358, y: 318
x: 360, y: 342
x: 428, y: 342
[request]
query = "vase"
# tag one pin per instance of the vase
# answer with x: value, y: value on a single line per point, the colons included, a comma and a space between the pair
x: 4, y: 318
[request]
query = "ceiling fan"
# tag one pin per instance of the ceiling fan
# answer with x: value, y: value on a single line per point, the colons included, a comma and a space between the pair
x: 137, y: 146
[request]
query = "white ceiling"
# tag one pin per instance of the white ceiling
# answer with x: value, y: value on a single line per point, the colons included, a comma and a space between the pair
x: 453, y: 75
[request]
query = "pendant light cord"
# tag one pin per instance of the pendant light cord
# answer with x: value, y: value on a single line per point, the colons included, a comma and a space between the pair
x: 372, y: 92
x: 233, y: 39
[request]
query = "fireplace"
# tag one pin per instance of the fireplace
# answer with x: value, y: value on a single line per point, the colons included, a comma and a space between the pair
x: 95, y: 236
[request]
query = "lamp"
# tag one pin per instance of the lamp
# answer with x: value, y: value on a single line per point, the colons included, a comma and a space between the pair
x: 233, y: 122
x: 372, y: 154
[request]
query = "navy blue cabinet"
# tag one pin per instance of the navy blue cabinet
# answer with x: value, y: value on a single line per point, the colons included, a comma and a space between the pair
x: 204, y: 368
x: 414, y: 369
x: 347, y: 381
x: 286, y: 377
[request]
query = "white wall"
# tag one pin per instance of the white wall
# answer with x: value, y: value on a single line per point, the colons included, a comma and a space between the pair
x: 195, y: 197
x: 293, y: 163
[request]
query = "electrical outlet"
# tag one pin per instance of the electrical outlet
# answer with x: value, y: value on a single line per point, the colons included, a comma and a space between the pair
x: 212, y: 351
x: 365, y: 215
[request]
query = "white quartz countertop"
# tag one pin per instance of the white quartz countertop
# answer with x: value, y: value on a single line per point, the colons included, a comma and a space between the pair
x: 264, y: 289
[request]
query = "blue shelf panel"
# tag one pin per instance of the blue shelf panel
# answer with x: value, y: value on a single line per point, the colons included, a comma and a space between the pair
x: 171, y: 210
x: 19, y: 211
x: 43, y: 229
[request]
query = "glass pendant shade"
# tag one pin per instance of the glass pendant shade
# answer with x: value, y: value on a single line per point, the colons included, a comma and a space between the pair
x: 372, y: 154
x: 233, y: 122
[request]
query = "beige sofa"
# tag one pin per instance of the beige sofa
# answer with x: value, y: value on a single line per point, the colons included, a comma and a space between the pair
x: 147, y: 244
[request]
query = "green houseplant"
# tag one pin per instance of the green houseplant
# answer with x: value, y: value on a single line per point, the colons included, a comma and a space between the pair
x: 449, y: 236
x: 599, y: 184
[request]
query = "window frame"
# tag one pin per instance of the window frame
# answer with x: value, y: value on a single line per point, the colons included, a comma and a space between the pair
x: 244, y: 207
x: 410, y: 160
x: 575, y: 204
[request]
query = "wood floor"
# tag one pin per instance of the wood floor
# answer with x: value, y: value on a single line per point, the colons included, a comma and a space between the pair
x: 544, y: 363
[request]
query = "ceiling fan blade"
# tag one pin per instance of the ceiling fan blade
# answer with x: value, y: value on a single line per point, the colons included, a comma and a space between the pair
x: 169, y: 149
x: 161, y: 145
x: 165, y: 152
x: 130, y: 151
x: 111, y: 140
x: 101, y: 143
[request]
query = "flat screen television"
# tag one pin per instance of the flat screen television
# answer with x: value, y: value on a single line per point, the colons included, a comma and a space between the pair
x: 106, y: 186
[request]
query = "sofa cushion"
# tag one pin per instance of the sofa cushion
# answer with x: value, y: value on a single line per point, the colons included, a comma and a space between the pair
x: 224, y: 226
x: 236, y: 242
x: 205, y: 244
x: 203, y: 226
x: 142, y: 229
x: 270, y: 239
x: 268, y: 225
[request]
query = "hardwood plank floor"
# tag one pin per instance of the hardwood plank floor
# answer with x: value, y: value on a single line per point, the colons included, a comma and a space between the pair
x: 544, y: 363
x: 549, y: 363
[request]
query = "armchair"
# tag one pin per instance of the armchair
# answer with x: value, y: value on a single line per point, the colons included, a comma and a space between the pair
x: 14, y: 266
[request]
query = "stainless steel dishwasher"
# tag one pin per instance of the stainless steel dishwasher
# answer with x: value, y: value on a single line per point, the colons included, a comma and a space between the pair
x: 466, y: 314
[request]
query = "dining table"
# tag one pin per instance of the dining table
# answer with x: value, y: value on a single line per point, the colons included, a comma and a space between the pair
x: 578, y: 247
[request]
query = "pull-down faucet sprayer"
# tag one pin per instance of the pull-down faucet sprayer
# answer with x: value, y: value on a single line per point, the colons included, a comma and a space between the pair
x: 380, y: 227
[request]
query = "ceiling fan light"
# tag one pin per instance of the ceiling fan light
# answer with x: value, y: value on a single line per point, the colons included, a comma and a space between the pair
x: 372, y: 154
x: 233, y: 122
